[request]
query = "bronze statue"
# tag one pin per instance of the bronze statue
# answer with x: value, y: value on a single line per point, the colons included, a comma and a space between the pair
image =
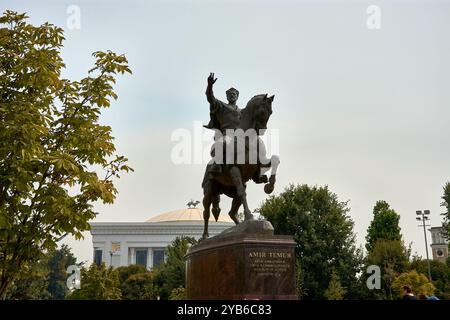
x: 223, y: 115
x: 235, y: 127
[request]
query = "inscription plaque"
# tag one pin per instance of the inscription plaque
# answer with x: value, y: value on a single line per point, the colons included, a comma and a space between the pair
x: 269, y: 262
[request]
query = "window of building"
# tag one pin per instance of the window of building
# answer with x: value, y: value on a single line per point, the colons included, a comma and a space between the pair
x: 158, y: 257
x: 98, y: 256
x: 141, y: 257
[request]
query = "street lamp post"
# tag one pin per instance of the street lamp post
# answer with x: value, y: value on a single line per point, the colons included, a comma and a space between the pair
x: 110, y: 260
x: 423, y: 217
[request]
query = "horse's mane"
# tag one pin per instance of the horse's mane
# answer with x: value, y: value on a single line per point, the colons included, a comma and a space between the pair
x: 247, y: 112
x: 254, y: 101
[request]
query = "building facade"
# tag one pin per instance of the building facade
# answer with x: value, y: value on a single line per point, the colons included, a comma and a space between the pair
x: 439, y: 245
x: 145, y: 243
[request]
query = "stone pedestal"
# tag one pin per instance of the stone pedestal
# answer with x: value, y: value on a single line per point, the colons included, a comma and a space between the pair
x: 244, y: 262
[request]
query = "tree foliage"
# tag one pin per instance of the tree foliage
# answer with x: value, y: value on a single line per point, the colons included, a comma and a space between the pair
x: 126, y: 271
x: 58, y: 263
x: 324, y: 237
x: 172, y: 273
x: 52, y: 147
x: 446, y: 204
x: 393, y: 258
x: 97, y: 283
x: 440, y: 274
x: 46, y: 278
x: 136, y: 283
x: 418, y: 282
x: 384, y: 225
x: 335, y: 291
x: 139, y: 286
x: 178, y: 294
x: 32, y: 284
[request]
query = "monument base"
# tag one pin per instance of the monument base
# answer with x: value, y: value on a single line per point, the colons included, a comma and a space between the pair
x: 243, y: 262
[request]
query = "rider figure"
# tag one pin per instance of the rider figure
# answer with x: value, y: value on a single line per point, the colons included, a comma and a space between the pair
x: 223, y: 116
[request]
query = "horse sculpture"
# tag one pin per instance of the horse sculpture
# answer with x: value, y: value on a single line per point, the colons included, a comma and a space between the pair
x: 232, y: 180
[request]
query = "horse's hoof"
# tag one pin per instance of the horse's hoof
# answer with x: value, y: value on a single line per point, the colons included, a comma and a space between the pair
x: 204, y: 236
x: 272, y: 179
x: 248, y: 216
x: 234, y: 218
x: 216, y: 212
x: 268, y: 188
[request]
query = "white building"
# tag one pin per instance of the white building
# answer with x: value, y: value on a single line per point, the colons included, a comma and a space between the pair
x: 439, y: 245
x: 145, y: 243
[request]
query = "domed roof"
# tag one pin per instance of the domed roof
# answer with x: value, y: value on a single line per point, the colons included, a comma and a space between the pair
x: 188, y: 214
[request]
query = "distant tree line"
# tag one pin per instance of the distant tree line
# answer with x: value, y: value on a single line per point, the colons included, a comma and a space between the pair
x: 135, y: 282
x: 331, y: 266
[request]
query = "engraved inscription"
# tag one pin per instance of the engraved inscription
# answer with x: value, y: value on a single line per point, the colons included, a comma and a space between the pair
x: 269, y: 263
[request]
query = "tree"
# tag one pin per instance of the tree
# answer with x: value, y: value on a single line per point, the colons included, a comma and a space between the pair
x: 126, y: 271
x: 32, y: 284
x: 58, y: 263
x: 178, y: 294
x: 139, y: 286
x: 446, y: 204
x: 385, y: 225
x: 324, y: 237
x: 172, y: 273
x: 136, y: 283
x: 393, y: 258
x: 335, y: 291
x: 52, y: 147
x: 97, y: 283
x: 418, y: 282
x: 440, y: 274
x: 46, y: 278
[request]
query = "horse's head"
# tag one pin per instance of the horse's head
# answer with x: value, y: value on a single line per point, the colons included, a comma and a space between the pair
x: 257, y: 112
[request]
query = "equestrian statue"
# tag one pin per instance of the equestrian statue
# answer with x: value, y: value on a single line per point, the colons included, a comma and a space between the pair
x: 238, y: 153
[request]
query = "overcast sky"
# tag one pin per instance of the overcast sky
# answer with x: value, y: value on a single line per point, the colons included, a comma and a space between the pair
x: 363, y: 111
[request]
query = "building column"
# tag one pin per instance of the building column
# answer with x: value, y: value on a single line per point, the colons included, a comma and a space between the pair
x: 108, y: 260
x: 149, y: 258
x: 123, y: 253
x: 133, y: 256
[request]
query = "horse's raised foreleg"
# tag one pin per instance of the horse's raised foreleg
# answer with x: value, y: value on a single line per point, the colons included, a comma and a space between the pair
x: 235, y: 174
x: 234, y: 209
x: 274, y: 162
x: 206, y: 206
x: 265, y: 162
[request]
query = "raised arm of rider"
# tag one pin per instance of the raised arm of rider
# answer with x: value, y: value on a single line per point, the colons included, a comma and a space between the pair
x: 214, y: 104
x: 210, y: 93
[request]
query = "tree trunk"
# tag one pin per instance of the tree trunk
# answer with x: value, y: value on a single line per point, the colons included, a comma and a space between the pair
x: 4, y: 289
